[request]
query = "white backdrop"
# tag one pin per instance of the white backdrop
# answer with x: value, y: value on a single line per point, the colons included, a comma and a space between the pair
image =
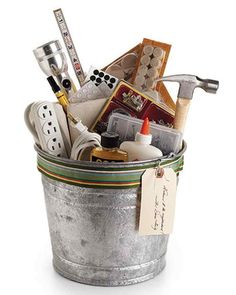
x: 201, y: 254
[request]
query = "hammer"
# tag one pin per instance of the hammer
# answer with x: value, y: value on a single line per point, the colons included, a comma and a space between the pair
x: 187, y: 84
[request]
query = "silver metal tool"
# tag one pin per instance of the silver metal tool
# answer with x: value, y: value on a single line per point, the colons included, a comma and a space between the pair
x: 52, y: 62
x: 187, y: 84
x: 69, y: 46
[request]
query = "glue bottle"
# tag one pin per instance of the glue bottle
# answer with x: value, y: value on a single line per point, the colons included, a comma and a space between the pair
x: 109, y: 150
x: 141, y: 148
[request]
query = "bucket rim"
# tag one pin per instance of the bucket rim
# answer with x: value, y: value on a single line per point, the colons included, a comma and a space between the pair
x: 89, y: 165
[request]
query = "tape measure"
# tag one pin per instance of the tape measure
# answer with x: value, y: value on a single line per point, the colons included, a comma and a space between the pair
x: 69, y: 46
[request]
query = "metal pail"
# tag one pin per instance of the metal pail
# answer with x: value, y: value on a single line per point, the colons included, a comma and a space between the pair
x: 93, y: 213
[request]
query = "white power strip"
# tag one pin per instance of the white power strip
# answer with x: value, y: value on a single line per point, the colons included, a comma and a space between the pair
x: 64, y: 126
x: 46, y: 125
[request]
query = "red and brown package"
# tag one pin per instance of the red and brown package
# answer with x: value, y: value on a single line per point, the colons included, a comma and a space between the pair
x: 129, y: 101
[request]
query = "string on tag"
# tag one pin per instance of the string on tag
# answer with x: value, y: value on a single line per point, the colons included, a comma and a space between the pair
x: 159, y: 170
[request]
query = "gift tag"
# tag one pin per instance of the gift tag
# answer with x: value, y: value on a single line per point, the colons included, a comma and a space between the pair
x: 157, y: 201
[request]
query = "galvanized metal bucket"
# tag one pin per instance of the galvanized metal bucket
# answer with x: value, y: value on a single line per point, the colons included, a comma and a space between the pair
x: 93, y: 213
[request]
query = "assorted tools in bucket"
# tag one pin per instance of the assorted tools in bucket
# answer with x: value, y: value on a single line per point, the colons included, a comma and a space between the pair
x: 110, y: 150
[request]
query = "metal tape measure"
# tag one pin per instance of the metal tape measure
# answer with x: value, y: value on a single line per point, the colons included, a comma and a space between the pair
x: 69, y: 46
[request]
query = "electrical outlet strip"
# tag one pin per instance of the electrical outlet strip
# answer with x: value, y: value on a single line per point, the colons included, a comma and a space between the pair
x: 64, y: 126
x: 47, y: 127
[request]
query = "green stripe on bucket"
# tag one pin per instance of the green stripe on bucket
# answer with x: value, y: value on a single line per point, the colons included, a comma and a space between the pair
x: 104, y: 168
x: 121, y: 177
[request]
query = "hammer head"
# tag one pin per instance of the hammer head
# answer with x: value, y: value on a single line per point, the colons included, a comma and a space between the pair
x: 187, y: 84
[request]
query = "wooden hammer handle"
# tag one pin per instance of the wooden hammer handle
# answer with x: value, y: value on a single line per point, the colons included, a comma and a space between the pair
x: 181, y: 112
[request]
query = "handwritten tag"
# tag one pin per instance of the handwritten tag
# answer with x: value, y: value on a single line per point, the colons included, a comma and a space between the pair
x: 157, y: 201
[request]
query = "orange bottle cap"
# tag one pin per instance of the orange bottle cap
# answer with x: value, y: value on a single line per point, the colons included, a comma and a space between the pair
x: 145, y: 129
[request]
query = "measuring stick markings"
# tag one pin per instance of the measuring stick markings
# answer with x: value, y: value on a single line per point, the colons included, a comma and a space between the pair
x: 69, y: 46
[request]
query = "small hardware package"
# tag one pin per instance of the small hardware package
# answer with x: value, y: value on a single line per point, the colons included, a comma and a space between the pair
x: 129, y: 101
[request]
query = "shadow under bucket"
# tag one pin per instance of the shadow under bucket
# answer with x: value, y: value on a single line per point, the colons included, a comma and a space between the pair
x: 93, y: 215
